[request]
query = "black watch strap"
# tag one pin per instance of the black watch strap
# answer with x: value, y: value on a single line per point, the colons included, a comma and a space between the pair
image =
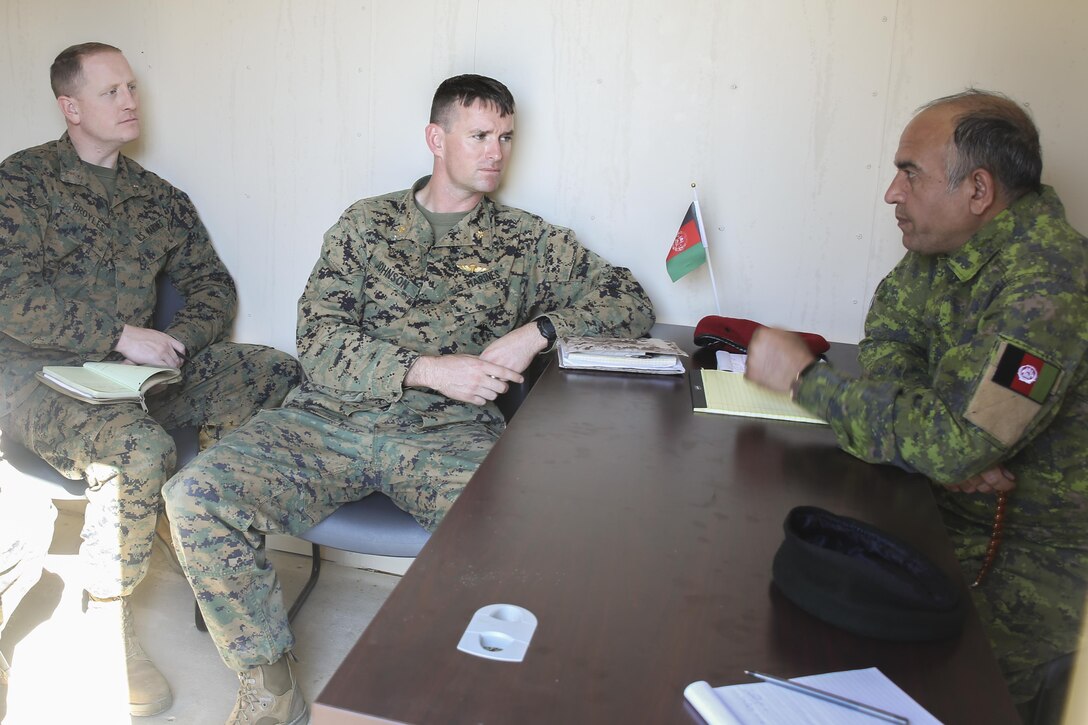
x: 547, y: 329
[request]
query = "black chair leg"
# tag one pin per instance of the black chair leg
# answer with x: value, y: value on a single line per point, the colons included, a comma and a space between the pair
x: 315, y: 572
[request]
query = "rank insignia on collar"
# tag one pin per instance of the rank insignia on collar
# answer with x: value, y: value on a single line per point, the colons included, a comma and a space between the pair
x: 1025, y: 373
x: 473, y: 268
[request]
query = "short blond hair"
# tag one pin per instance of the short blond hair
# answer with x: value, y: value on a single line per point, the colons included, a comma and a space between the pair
x: 66, y: 73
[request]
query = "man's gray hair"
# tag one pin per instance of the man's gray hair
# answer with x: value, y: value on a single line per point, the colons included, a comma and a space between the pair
x: 993, y: 132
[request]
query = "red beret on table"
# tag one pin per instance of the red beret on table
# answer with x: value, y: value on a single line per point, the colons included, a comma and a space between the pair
x: 734, y: 334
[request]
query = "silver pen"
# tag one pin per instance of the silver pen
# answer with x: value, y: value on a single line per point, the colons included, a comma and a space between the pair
x: 831, y: 697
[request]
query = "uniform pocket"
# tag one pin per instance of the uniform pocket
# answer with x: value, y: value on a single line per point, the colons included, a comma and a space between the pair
x: 483, y: 313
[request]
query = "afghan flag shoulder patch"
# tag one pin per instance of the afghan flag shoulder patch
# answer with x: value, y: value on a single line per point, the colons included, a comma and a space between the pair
x: 1024, y: 373
x: 1011, y: 391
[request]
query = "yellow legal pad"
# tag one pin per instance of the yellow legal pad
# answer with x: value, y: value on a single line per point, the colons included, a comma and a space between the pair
x: 731, y: 394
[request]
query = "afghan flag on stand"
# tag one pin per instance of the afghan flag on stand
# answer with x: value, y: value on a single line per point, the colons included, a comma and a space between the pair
x: 687, y: 252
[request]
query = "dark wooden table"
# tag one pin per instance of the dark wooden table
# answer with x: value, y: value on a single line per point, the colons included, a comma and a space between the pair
x: 641, y: 536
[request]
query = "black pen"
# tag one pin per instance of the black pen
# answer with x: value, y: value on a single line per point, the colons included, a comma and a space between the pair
x: 831, y: 697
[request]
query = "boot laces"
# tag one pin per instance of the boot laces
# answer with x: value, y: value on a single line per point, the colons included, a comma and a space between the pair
x: 250, y: 699
x: 133, y: 648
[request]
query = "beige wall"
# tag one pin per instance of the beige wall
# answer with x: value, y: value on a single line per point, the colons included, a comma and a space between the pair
x: 275, y: 115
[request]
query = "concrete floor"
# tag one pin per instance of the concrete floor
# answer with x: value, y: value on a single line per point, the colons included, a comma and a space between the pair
x: 63, y: 672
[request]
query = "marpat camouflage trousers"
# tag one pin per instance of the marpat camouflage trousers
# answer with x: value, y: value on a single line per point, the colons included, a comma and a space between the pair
x: 126, y: 454
x: 284, y: 472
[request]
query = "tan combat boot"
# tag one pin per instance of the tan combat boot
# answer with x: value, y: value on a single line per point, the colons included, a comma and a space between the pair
x: 148, y: 691
x: 269, y: 695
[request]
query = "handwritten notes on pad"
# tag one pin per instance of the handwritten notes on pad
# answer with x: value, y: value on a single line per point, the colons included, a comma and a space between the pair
x: 762, y: 703
x: 731, y: 394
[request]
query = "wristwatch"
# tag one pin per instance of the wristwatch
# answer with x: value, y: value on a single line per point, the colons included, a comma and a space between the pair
x: 547, y: 329
x: 796, y: 384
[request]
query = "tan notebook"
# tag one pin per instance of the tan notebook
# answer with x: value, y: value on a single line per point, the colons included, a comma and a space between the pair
x: 731, y: 393
x: 107, y: 382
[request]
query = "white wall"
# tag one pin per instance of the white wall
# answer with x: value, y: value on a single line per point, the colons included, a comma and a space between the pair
x: 275, y: 115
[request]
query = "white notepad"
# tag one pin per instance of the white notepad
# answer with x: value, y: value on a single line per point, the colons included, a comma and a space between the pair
x: 762, y: 703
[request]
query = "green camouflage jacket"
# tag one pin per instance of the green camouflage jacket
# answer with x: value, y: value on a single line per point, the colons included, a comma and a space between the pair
x: 979, y: 357
x: 939, y: 328
x: 385, y: 292
x: 75, y: 269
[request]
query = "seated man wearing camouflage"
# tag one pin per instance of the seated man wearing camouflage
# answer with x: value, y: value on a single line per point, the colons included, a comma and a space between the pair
x: 423, y: 306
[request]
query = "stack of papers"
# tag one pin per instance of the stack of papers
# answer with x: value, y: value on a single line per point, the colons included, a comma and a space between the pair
x: 734, y: 362
x: 619, y: 354
x: 767, y: 704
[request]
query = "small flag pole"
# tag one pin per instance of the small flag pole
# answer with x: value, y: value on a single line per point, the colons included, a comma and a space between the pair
x: 702, y: 240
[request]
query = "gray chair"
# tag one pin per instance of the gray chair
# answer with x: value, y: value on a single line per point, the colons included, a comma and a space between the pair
x: 19, y: 461
x: 374, y: 525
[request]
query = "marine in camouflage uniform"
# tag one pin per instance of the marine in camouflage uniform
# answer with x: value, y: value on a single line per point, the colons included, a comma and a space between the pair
x: 85, y: 234
x: 76, y: 266
x: 974, y: 358
x: 388, y: 297
x: 383, y: 293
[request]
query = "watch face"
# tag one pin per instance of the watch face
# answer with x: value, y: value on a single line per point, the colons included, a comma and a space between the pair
x: 546, y: 328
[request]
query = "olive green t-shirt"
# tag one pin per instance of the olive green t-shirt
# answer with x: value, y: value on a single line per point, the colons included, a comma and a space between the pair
x: 442, y: 222
x: 107, y: 177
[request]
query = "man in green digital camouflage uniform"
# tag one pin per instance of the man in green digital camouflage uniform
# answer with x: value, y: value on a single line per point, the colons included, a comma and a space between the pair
x: 423, y: 306
x: 975, y: 374
x: 84, y: 233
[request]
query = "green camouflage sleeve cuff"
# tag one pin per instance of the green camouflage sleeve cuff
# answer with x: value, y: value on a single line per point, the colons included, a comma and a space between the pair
x: 817, y: 389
